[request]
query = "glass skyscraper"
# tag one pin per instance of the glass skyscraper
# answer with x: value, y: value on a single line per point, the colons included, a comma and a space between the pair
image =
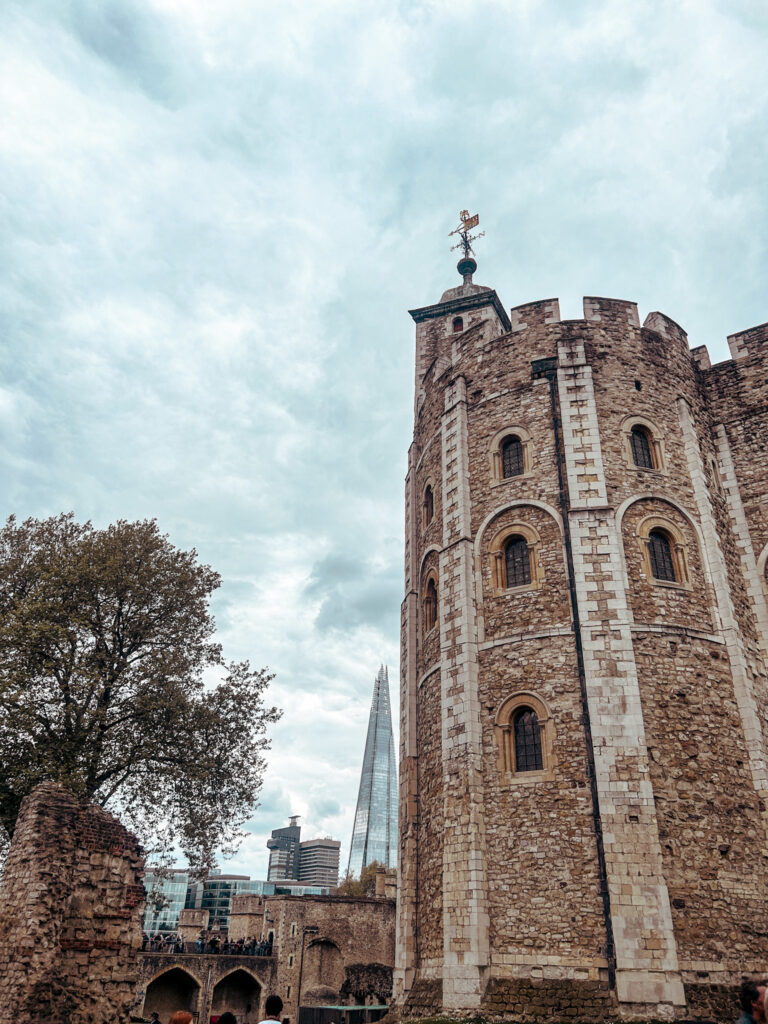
x: 374, y: 836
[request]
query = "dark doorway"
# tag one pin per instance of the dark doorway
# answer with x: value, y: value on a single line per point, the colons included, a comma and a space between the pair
x: 171, y: 991
x: 239, y: 993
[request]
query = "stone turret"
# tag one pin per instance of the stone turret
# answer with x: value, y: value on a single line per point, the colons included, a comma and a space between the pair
x: 584, y: 678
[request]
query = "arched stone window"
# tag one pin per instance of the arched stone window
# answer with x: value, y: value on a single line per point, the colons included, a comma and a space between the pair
x: 511, y: 454
x: 512, y: 462
x: 527, y: 741
x: 643, y: 447
x: 428, y: 507
x: 642, y: 454
x: 458, y: 324
x: 660, y: 554
x: 517, y: 562
x: 525, y: 735
x: 514, y: 555
x: 665, y: 551
x: 430, y: 605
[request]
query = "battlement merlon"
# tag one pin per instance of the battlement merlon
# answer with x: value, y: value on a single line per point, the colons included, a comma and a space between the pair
x: 474, y: 300
x: 750, y: 342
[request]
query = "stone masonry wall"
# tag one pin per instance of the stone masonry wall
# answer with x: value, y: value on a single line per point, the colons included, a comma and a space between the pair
x: 71, y: 905
x: 348, y: 934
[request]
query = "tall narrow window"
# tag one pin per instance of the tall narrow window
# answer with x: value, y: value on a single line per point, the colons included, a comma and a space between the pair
x: 527, y: 742
x: 517, y: 562
x: 430, y: 606
x: 429, y: 506
x: 458, y: 325
x: 660, y: 551
x: 641, y: 448
x: 512, y: 457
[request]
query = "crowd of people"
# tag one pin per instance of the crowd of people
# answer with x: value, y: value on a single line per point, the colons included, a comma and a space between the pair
x: 205, y: 943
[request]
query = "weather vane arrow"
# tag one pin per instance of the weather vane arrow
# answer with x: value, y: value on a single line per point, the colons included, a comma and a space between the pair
x: 463, y: 231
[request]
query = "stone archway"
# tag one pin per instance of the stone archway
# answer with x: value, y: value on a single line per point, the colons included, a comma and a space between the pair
x: 170, y: 991
x: 240, y: 993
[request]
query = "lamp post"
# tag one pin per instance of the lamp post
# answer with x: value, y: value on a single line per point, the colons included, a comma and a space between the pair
x: 310, y: 929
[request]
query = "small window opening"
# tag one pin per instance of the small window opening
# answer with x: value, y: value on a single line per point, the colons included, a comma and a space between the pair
x: 528, y: 757
x: 512, y: 457
x: 429, y: 506
x: 660, y: 551
x: 638, y: 386
x: 641, y: 448
x: 517, y: 562
x: 458, y: 324
x: 430, y: 606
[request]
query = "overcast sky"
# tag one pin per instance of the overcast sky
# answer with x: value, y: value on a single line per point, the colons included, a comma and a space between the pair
x: 215, y: 216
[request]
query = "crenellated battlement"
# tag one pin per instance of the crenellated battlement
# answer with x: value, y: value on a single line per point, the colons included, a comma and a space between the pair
x: 751, y: 342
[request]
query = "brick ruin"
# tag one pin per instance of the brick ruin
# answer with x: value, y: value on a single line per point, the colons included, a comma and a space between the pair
x: 70, y: 914
x: 621, y: 870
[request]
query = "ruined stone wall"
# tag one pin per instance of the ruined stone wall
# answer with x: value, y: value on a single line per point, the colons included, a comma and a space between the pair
x: 71, y: 902
x: 617, y: 878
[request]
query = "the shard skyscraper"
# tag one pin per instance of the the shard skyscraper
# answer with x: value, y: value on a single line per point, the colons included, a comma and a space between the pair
x: 374, y: 836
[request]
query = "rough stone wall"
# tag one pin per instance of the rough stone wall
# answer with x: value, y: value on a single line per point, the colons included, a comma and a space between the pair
x: 71, y: 905
x: 351, y: 933
x: 631, y: 852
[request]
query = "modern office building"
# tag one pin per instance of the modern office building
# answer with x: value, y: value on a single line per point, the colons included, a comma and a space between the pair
x: 374, y: 835
x: 166, y: 898
x: 214, y: 895
x: 313, y: 862
x: 319, y: 862
x: 283, y: 846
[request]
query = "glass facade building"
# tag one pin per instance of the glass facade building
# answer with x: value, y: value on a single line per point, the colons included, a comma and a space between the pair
x: 166, y: 898
x: 214, y: 895
x: 374, y: 835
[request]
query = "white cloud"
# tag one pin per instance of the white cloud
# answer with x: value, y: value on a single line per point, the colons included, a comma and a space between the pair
x: 217, y: 215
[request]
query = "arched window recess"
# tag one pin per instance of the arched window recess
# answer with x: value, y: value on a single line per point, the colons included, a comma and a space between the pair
x: 515, y: 561
x: 510, y: 454
x: 665, y: 552
x: 524, y: 735
x: 643, y: 445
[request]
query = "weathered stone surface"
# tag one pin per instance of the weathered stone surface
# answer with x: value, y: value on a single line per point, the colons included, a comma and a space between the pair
x: 629, y: 876
x: 71, y: 904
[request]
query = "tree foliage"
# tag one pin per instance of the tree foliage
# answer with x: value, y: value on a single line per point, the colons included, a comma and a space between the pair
x: 111, y: 683
x: 363, y: 886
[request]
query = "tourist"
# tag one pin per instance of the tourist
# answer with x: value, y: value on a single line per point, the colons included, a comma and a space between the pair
x: 199, y: 943
x: 227, y: 1018
x: 752, y: 1002
x: 181, y: 1017
x: 272, y: 1009
x: 155, y: 1018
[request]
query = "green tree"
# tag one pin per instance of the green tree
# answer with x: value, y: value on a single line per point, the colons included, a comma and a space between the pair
x: 111, y: 684
x: 365, y: 885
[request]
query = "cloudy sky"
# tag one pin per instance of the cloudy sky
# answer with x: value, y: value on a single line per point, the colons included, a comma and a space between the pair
x: 214, y: 217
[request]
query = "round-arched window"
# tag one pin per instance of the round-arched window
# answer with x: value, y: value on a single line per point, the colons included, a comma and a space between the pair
x: 528, y: 756
x: 642, y: 452
x: 512, y: 461
x: 517, y: 562
x: 660, y: 553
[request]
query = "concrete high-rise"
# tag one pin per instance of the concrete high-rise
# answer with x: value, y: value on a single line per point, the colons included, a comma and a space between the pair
x: 319, y: 861
x: 374, y: 835
x: 283, y: 846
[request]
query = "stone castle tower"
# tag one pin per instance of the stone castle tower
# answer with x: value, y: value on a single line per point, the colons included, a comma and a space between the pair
x: 583, y: 783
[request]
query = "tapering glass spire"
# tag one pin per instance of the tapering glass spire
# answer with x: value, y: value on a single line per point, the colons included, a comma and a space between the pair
x: 374, y: 836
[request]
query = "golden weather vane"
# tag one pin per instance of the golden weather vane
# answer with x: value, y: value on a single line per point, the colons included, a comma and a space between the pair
x: 463, y: 231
